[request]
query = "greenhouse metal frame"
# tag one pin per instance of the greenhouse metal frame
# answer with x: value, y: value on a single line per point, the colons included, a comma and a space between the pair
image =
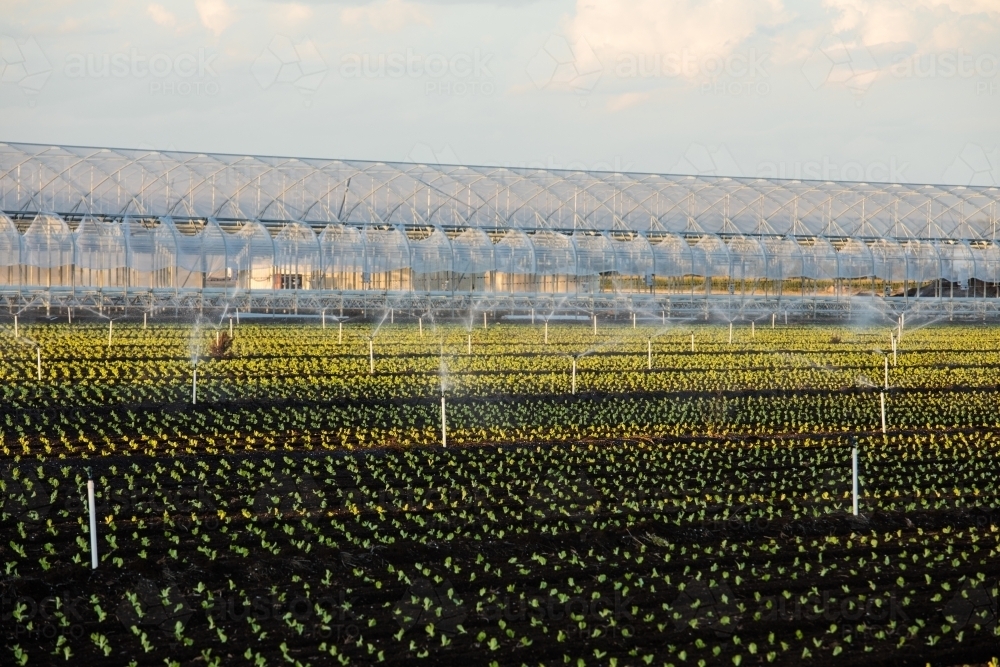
x: 98, y: 228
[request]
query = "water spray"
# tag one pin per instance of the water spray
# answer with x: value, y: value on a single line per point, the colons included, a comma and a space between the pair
x: 92, y: 508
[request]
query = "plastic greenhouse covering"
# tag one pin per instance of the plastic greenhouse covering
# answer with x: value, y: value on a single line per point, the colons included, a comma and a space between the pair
x: 99, y: 217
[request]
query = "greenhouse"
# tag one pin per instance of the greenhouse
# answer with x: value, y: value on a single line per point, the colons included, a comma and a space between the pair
x: 137, y: 228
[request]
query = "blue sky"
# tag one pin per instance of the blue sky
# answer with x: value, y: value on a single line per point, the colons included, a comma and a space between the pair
x: 870, y: 90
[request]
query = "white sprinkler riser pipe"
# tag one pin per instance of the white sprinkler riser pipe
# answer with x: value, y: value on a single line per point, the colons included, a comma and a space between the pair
x: 595, y: 325
x: 16, y: 334
x: 340, y: 332
x: 444, y: 424
x: 773, y: 315
x: 649, y: 354
x: 854, y: 478
x: 484, y: 321
x: 633, y: 320
x: 468, y: 348
x: 532, y: 316
x: 546, y: 332
x: 194, y: 386
x: 70, y: 313
x: 110, y: 323
x: 420, y: 323
x: 730, y: 333
x: 144, y: 321
x: 323, y: 318
x: 91, y: 506
x: 887, y: 372
x: 38, y: 358
x: 230, y: 327
x: 882, y: 397
x: 753, y: 330
x: 371, y: 356
x: 692, y: 342
x: 573, y: 388
x: 392, y: 316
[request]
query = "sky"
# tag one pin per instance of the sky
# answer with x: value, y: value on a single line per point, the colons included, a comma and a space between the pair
x: 863, y: 90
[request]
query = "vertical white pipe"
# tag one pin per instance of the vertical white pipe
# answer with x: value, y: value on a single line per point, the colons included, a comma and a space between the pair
x: 753, y: 329
x: 237, y: 317
x: 854, y: 476
x: 573, y: 387
x: 773, y: 315
x: 371, y: 356
x: 91, y: 506
x: 469, y: 345
x: 595, y: 324
x: 218, y: 337
x: 70, y: 311
x: 322, y: 317
x: 144, y: 322
x: 420, y: 323
x: 649, y: 354
x: 392, y: 316
x: 730, y: 333
x: 692, y: 342
x: 484, y: 321
x: 882, y: 397
x: 886, y: 372
x: 633, y: 320
x: 38, y: 359
x: 340, y: 332
x: 194, y: 385
x: 894, y: 352
x: 231, y: 327
x: 16, y: 334
x: 110, y: 323
x: 786, y: 317
x: 663, y: 318
x: 444, y: 424
x: 532, y: 315
x: 546, y: 332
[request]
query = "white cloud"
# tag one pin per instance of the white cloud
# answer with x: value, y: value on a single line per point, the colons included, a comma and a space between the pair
x: 386, y: 16
x: 926, y: 24
x: 655, y: 26
x: 626, y: 100
x: 215, y: 15
x: 161, y: 16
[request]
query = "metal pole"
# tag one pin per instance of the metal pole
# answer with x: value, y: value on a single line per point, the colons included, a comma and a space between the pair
x: 484, y: 321
x: 16, y: 334
x: 91, y: 506
x: 420, y: 323
x: 194, y: 385
x: 231, y: 327
x: 340, y: 332
x: 546, y: 332
x: 730, y: 333
x: 649, y: 354
x: 110, y: 323
x: 573, y: 388
x: 773, y: 315
x: 692, y: 342
x: 633, y: 320
x: 854, y: 475
x: 371, y: 356
x: 469, y: 345
x: 144, y: 322
x: 322, y: 316
x: 887, y: 372
x: 753, y: 330
x: 38, y: 358
x: 595, y: 324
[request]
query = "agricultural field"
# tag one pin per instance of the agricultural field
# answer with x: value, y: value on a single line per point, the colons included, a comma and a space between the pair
x: 650, y: 495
